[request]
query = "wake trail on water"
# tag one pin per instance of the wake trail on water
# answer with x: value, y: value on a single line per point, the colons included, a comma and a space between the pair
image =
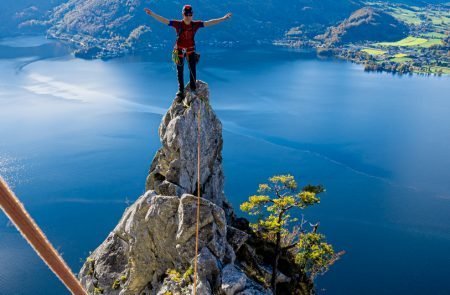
x: 234, y: 128
x: 22, y: 65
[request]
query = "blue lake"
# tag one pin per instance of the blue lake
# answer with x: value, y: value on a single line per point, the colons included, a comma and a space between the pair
x: 77, y: 139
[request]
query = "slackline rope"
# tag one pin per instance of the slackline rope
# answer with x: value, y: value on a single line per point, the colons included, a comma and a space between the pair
x: 37, y: 239
x: 198, y: 201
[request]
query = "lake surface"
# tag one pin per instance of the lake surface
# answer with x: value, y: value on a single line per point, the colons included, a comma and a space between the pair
x: 77, y: 139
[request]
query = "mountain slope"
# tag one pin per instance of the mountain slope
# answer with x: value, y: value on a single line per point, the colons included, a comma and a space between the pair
x: 14, y: 15
x: 365, y: 24
x: 116, y: 26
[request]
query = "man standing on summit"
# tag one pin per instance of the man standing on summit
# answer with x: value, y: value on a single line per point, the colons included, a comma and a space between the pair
x: 185, y: 44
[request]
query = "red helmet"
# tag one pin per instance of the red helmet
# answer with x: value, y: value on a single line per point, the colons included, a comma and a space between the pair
x: 187, y: 9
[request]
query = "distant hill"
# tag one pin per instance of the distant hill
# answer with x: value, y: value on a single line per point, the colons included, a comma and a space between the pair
x: 110, y: 27
x: 101, y: 28
x: 24, y: 16
x: 365, y: 24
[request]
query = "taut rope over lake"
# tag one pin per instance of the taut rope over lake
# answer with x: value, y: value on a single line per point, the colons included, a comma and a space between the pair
x: 37, y: 239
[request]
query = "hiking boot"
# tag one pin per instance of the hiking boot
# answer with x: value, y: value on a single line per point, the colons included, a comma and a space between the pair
x: 180, y: 93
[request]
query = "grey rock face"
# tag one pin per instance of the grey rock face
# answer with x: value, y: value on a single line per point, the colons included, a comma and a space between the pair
x: 233, y: 280
x: 236, y: 282
x: 236, y: 237
x: 155, y: 234
x: 174, y: 168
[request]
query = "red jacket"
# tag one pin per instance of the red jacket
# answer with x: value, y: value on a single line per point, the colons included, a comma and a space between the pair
x: 186, y: 38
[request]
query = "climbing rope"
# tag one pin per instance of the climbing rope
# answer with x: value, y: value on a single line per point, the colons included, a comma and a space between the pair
x: 36, y: 238
x: 198, y: 201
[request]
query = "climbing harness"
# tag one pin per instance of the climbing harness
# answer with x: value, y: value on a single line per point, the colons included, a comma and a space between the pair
x: 176, y: 59
x: 198, y: 202
x: 175, y: 47
x: 37, y: 239
x: 176, y: 53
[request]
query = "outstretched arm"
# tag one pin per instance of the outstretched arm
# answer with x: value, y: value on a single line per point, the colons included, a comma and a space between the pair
x: 157, y: 17
x: 217, y: 20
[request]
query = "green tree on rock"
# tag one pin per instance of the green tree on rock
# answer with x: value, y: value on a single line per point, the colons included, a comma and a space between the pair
x: 274, y: 204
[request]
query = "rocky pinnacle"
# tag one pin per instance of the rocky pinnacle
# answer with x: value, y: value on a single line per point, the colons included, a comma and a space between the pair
x: 173, y: 171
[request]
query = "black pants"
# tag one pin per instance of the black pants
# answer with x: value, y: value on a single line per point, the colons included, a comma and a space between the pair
x: 192, y: 71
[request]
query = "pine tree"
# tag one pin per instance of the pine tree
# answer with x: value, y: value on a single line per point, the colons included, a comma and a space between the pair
x: 273, y: 205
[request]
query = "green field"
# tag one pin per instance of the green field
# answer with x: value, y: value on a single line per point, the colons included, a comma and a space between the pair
x: 408, y: 41
x: 444, y: 70
x: 435, y: 70
x: 373, y: 51
x: 431, y: 42
x: 438, y: 19
x: 401, y: 59
x: 433, y: 35
x: 408, y: 16
x: 411, y: 41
